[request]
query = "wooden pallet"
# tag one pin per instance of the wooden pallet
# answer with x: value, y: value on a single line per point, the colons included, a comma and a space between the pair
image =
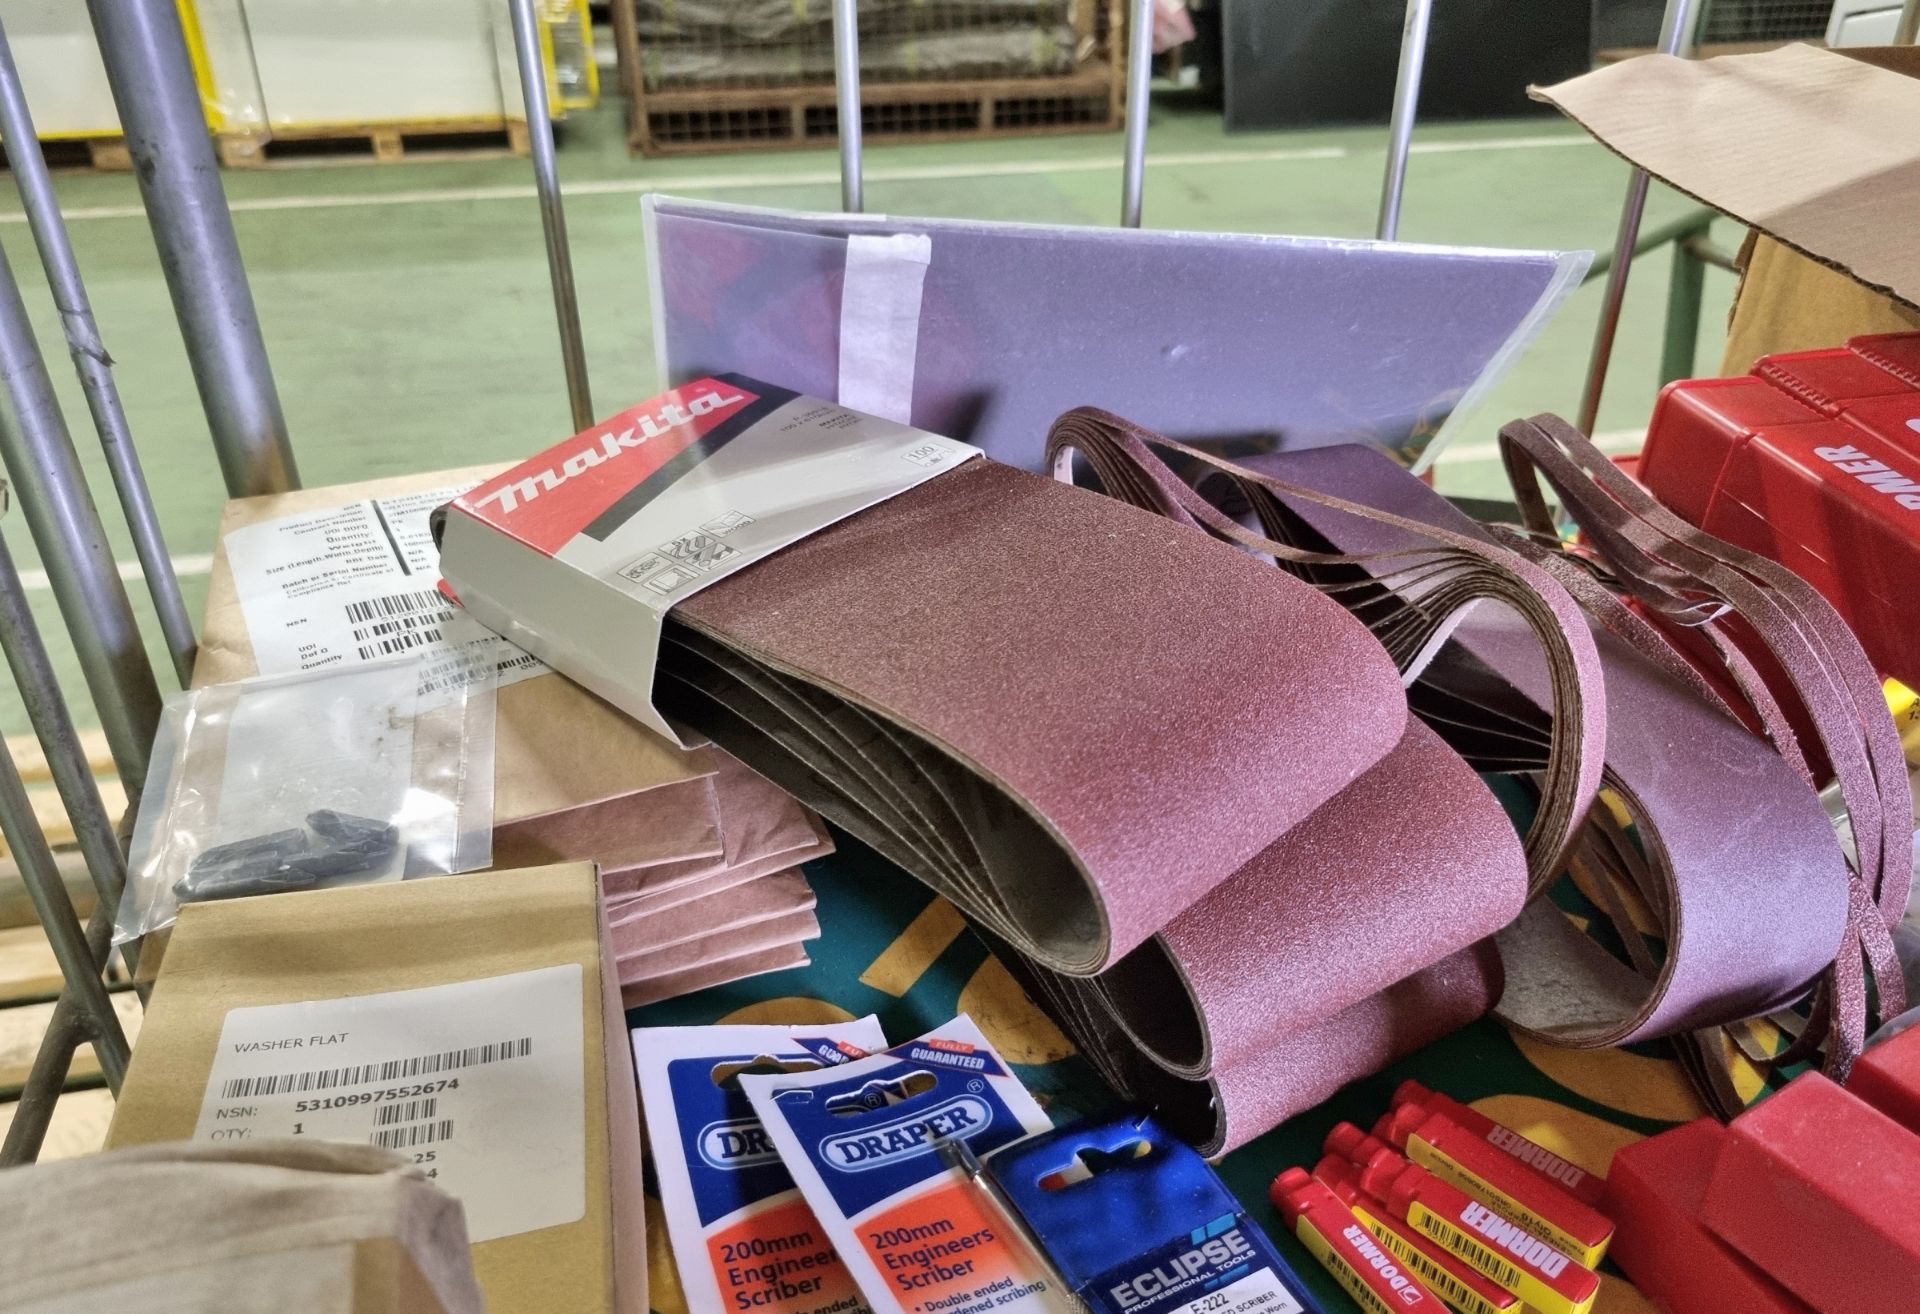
x: 382, y: 142
x: 79, y: 1124
x: 16, y: 910
x: 22, y: 1026
x: 106, y: 154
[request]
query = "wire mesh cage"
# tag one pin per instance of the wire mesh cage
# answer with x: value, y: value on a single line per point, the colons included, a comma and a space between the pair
x: 1730, y: 22
x: 720, y: 74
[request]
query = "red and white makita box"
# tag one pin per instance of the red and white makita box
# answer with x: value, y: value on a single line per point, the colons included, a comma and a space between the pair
x: 577, y: 554
x: 1812, y: 459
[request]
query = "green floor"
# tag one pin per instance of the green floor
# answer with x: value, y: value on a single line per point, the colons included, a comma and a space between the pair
x: 407, y: 310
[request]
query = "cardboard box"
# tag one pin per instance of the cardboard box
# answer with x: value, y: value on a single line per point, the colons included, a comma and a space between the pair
x: 578, y: 553
x: 472, y: 1021
x: 1810, y: 149
x: 1788, y: 302
x: 255, y: 1227
x: 557, y: 746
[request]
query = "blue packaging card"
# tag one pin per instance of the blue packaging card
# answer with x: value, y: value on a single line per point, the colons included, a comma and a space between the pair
x: 1138, y: 1223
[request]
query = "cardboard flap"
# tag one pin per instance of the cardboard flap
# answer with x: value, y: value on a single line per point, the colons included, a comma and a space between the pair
x: 1813, y: 147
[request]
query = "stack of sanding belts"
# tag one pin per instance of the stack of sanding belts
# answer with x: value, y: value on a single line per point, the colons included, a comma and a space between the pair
x: 737, y: 905
x: 1202, y: 751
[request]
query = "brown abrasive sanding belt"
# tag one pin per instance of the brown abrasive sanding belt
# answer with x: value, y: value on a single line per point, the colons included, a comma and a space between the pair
x: 1087, y: 725
x: 1072, y: 718
x: 1297, y: 1068
x: 1735, y: 863
x: 1343, y: 946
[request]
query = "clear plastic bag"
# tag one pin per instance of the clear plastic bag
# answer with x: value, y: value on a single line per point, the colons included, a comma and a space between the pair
x: 345, y: 776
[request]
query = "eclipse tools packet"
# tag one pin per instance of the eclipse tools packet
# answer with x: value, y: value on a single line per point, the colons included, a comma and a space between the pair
x: 864, y: 1143
x: 1138, y: 1223
x: 743, y: 1238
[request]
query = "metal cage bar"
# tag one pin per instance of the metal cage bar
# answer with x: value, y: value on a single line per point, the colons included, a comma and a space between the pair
x: 848, y: 123
x: 1133, y: 174
x: 151, y: 74
x: 144, y: 50
x: 91, y: 361
x: 1406, y: 108
x: 1676, y: 38
x: 67, y: 530
x: 553, y: 213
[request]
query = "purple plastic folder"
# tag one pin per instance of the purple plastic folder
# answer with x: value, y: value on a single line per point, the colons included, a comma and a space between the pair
x: 987, y: 331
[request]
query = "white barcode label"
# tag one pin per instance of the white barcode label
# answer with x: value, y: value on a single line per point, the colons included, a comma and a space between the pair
x: 356, y: 583
x: 1259, y: 1292
x: 481, y: 1082
x: 241, y: 1088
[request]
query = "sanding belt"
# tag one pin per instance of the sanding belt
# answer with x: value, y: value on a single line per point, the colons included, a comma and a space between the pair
x: 1099, y: 732
x: 1078, y: 721
x: 1736, y: 872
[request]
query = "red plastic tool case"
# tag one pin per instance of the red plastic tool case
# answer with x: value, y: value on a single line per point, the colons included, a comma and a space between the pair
x: 1819, y: 1190
x: 1655, y: 1189
x: 1813, y: 459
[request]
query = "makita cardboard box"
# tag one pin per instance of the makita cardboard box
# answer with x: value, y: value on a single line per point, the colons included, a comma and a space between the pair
x: 578, y: 554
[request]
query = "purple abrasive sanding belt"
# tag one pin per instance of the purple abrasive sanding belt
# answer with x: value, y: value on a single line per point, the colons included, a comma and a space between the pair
x: 1071, y: 717
x: 1113, y: 740
x: 1345, y: 945
x: 1751, y: 894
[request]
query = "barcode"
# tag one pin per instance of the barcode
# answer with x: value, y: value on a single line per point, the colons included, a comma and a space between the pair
x: 399, y: 625
x: 388, y: 1115
x: 1445, y: 1285
x: 396, y: 604
x: 1357, y: 1287
x: 397, y: 622
x: 239, y: 1088
x: 421, y: 1133
x: 397, y: 644
x: 1475, y: 1254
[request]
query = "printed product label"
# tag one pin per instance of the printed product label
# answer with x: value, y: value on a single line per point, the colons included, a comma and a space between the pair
x: 1540, y: 1159
x: 1217, y: 1269
x: 941, y: 1250
x: 351, y: 584
x: 1442, y: 1281
x: 1458, y: 1174
x: 743, y: 1237
x: 482, y: 1083
x: 777, y: 1259
x: 862, y: 1140
x: 1340, y: 1265
x: 579, y: 552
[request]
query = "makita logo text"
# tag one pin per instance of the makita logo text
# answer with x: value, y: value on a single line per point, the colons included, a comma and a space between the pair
x: 1219, y: 1252
x: 1529, y: 1250
x: 612, y: 445
x: 1542, y: 1161
x: 1877, y: 475
x: 741, y: 1143
x: 854, y: 1152
x: 1404, y: 1287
